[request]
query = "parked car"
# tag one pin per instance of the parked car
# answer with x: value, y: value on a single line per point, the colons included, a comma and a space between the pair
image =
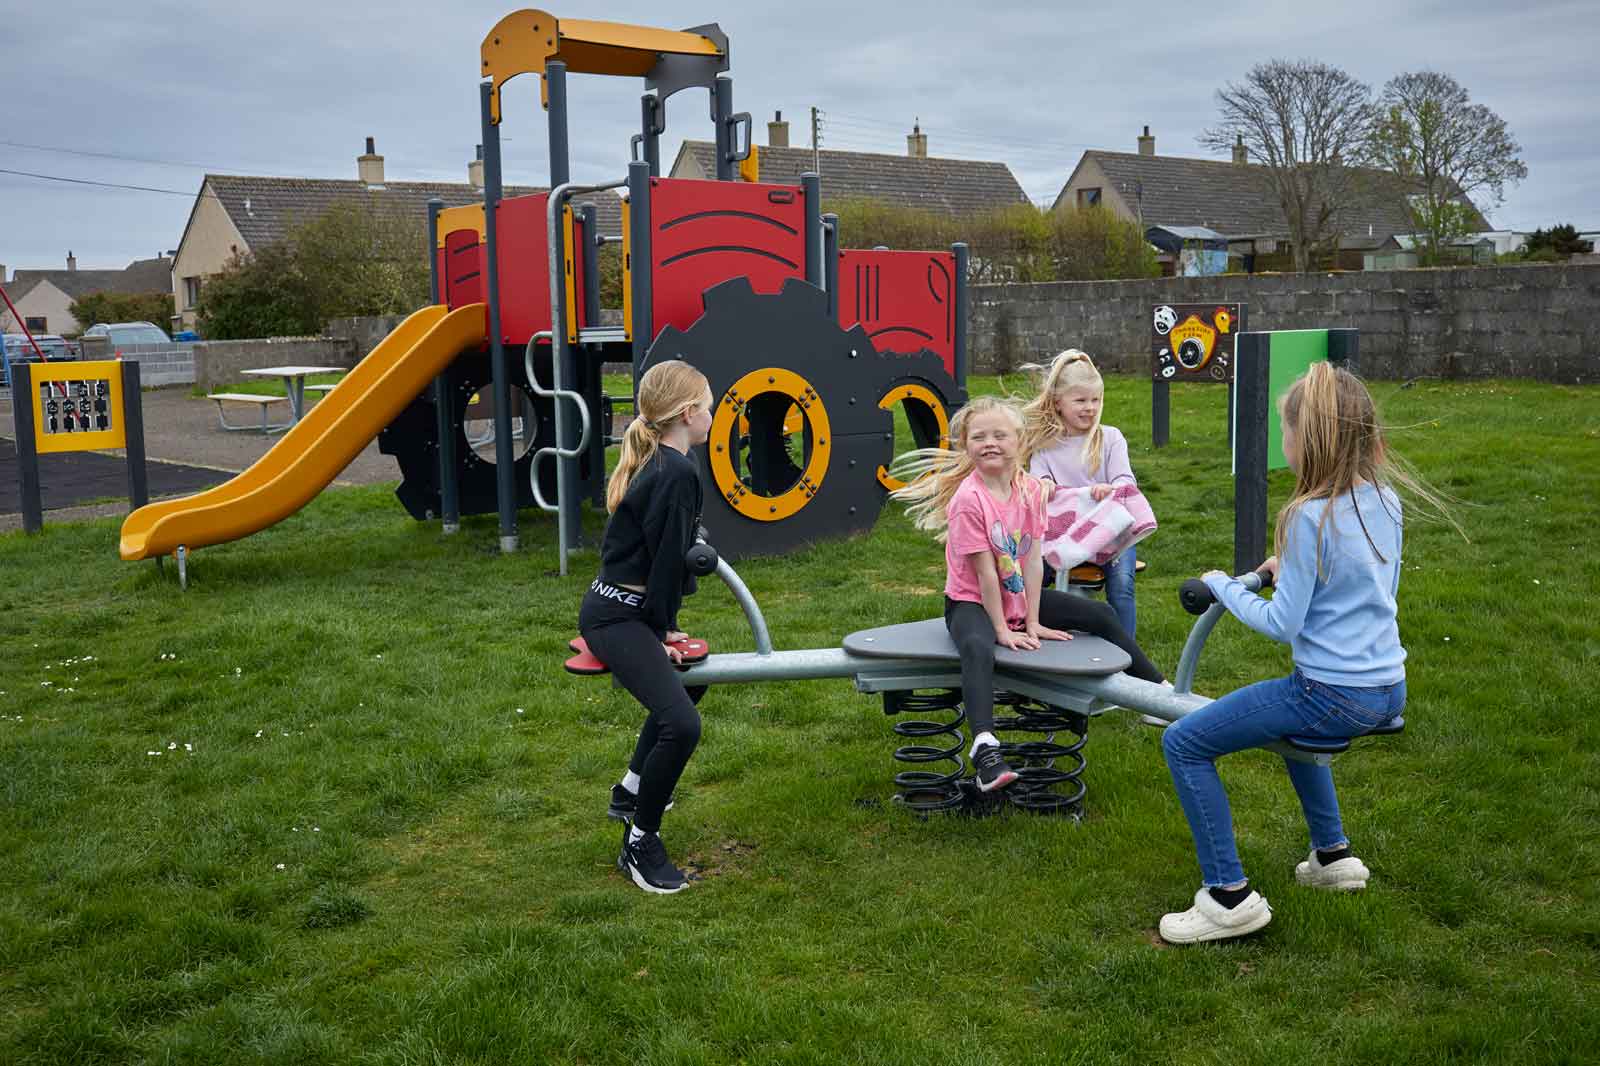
x: 127, y: 334
x: 14, y: 348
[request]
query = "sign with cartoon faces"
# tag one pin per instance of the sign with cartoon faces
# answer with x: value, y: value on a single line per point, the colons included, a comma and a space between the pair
x: 1194, y: 342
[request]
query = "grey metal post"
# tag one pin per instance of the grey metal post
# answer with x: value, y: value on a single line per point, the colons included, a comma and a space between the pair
x: 830, y: 263
x: 650, y: 131
x: 449, y: 490
x: 722, y: 115
x: 811, y: 188
x: 27, y: 452
x: 962, y: 295
x: 563, y: 360
x: 555, y: 83
x: 591, y: 263
x: 1252, y: 373
x: 592, y: 385
x: 132, y: 415
x: 504, y: 456
x: 639, y: 258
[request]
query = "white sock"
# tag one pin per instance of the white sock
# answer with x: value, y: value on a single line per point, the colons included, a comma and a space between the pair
x: 980, y: 740
x: 630, y: 781
x: 635, y: 834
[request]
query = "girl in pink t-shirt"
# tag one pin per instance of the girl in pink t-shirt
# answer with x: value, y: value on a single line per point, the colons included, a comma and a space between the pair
x: 990, y: 514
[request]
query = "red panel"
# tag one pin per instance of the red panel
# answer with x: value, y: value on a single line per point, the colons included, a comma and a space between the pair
x: 461, y: 280
x: 705, y: 232
x: 524, y: 266
x: 905, y: 300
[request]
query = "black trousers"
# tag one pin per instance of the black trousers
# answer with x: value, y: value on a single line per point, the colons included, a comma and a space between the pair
x: 973, y: 633
x: 621, y: 640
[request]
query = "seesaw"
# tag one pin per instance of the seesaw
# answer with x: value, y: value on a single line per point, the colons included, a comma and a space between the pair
x: 1049, y: 692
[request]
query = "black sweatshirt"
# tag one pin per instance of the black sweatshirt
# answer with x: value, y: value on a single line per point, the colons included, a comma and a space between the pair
x: 651, y: 531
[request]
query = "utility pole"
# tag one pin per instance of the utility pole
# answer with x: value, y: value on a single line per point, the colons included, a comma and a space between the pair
x: 816, y: 141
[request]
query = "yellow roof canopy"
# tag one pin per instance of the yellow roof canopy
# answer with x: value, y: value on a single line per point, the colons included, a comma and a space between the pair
x: 524, y: 41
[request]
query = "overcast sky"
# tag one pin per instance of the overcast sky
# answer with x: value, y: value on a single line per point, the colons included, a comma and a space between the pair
x: 157, y: 94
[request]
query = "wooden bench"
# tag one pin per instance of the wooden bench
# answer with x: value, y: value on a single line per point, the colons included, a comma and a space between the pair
x: 323, y: 389
x: 263, y: 403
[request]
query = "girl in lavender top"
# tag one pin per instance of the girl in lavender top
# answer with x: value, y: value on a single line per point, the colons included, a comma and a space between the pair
x: 1070, y: 448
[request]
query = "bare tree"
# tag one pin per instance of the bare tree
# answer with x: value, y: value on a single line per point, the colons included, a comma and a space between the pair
x: 1307, y: 125
x: 1446, y: 149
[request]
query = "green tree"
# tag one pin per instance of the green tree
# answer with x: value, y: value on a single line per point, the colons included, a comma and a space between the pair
x: 1555, y: 244
x: 350, y: 260
x: 96, y: 307
x: 1447, y: 149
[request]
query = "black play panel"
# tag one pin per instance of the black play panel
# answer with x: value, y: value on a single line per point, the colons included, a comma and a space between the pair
x: 70, y: 478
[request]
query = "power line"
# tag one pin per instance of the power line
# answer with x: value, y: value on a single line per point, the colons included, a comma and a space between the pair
x: 109, y: 155
x: 102, y: 184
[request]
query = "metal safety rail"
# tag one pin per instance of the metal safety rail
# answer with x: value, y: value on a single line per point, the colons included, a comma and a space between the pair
x: 559, y: 353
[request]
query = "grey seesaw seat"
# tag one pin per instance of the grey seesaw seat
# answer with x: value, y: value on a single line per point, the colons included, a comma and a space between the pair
x: 929, y: 640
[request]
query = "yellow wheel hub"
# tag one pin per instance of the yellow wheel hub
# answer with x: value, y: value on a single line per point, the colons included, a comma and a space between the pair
x: 916, y: 394
x: 729, y: 416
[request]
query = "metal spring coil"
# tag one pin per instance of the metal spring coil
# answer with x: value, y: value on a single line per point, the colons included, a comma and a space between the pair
x: 929, y: 790
x: 1042, y: 785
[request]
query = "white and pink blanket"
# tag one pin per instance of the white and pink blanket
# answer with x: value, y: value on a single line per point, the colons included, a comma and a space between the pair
x: 1079, y: 530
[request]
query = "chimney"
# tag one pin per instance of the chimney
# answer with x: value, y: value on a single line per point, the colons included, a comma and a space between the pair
x: 1147, y: 143
x: 72, y: 261
x: 1241, y: 155
x: 917, y: 142
x: 475, y: 170
x: 777, y: 131
x: 369, y: 167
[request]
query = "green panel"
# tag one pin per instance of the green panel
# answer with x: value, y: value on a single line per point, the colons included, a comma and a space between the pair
x: 1293, y: 352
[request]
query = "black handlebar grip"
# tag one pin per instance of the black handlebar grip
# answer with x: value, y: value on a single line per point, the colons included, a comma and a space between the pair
x: 701, y: 559
x: 1266, y: 579
x: 1195, y: 596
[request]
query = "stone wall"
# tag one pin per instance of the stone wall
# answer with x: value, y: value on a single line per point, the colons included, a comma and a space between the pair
x: 1528, y: 321
x: 220, y: 362
x: 364, y: 333
x: 159, y: 364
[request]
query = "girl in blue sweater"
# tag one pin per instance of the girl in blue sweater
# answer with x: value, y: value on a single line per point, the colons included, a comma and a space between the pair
x: 1337, y: 570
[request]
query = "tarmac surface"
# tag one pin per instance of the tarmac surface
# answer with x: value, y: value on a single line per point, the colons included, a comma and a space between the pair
x: 179, y: 428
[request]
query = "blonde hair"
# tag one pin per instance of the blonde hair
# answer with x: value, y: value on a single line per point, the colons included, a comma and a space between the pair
x: 1042, y: 424
x: 934, y: 474
x: 667, y: 392
x: 1341, y: 444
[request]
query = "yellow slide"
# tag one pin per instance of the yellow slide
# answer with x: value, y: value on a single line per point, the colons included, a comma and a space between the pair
x: 319, y: 447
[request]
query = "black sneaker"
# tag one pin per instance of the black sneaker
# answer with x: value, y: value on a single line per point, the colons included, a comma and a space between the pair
x: 645, y: 861
x: 625, y: 804
x: 992, y: 770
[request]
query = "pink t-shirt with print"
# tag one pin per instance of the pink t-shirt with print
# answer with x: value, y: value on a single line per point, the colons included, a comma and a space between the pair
x: 979, y: 522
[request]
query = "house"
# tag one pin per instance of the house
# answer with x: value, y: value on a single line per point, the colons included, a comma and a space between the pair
x: 954, y: 187
x: 1230, y: 198
x: 44, y: 298
x: 234, y: 214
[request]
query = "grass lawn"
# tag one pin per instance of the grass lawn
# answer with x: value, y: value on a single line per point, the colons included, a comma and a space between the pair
x: 340, y: 803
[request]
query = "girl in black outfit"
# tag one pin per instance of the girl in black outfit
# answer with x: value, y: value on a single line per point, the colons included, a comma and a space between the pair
x: 630, y: 613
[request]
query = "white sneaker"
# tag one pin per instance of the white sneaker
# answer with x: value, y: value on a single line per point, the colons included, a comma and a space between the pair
x: 1210, y: 920
x: 1349, y: 874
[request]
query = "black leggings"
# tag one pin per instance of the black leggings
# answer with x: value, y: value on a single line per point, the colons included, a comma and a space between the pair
x: 633, y: 651
x: 973, y: 633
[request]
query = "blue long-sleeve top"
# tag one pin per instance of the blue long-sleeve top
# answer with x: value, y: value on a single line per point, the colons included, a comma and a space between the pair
x: 1342, y: 625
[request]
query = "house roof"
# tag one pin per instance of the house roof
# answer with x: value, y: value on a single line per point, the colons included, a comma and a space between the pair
x: 954, y: 187
x: 264, y: 209
x: 1233, y: 199
x: 141, y: 275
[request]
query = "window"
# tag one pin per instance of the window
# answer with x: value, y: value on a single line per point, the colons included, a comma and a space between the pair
x: 35, y: 324
x: 1089, y: 197
x: 191, y: 293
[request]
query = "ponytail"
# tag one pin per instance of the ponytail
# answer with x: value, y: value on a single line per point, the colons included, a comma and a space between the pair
x: 667, y: 392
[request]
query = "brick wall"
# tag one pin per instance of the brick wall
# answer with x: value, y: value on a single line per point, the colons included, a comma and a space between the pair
x: 159, y: 364
x: 220, y: 362
x: 1529, y: 321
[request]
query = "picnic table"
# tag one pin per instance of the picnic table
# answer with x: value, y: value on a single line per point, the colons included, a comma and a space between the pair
x: 294, y: 382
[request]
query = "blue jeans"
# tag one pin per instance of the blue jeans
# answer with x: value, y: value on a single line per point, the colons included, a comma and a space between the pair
x: 1119, y: 588
x: 1289, y: 706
